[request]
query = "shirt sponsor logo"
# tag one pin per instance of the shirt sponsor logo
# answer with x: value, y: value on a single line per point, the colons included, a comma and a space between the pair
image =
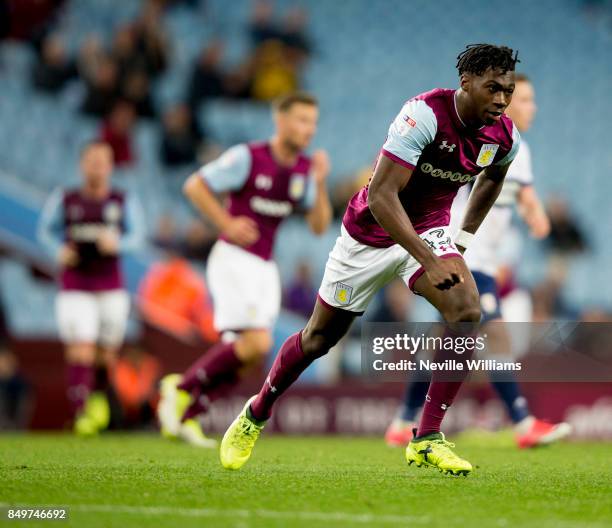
x: 458, y: 177
x: 268, y: 207
x: 86, y: 232
x: 486, y: 155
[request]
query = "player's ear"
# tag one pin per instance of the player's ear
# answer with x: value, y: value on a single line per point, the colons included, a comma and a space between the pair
x: 276, y: 117
x: 465, y: 82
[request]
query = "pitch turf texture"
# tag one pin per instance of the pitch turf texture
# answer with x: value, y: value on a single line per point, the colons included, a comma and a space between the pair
x: 142, y: 480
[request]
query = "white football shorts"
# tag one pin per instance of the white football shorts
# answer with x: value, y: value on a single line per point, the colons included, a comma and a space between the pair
x: 245, y: 288
x: 92, y: 317
x: 355, y: 272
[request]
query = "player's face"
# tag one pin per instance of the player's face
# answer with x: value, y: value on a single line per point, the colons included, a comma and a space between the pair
x: 298, y: 125
x: 523, y: 108
x: 97, y: 165
x: 490, y: 94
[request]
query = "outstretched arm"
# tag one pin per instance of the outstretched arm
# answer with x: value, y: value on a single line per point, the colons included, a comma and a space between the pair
x: 240, y: 230
x: 226, y: 173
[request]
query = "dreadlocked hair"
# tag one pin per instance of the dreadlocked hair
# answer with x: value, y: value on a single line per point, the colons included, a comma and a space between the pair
x: 478, y: 58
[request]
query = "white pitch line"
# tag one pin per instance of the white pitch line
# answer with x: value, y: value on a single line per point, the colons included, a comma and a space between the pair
x: 245, y: 514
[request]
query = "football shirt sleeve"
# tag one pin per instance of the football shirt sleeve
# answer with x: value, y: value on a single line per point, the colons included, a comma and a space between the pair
x: 134, y: 235
x: 516, y: 141
x: 50, y: 225
x: 410, y: 132
x: 229, y: 172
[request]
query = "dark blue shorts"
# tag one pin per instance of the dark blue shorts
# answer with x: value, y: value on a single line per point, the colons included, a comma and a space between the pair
x: 489, y: 296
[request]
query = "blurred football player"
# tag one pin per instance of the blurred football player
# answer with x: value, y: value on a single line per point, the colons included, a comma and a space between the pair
x: 266, y: 182
x: 86, y: 229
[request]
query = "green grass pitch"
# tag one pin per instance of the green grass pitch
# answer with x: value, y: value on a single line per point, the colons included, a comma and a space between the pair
x: 143, y: 480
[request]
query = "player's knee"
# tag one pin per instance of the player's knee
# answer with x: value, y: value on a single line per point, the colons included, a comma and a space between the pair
x: 464, y: 310
x: 256, y: 345
x: 469, y: 314
x: 82, y: 353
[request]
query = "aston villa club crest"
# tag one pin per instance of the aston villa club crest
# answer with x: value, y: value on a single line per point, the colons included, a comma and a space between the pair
x: 486, y: 155
x: 297, y: 185
x: 343, y: 293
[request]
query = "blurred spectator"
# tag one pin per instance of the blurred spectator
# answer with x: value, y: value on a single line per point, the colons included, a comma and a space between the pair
x: 199, y: 240
x: 166, y: 233
x: 136, y: 90
x: 102, y: 83
x: 117, y: 132
x: 26, y: 19
x: 180, y: 137
x: 239, y: 81
x: 135, y: 378
x: 123, y: 51
x: 54, y: 68
x: 548, y: 302
x: 173, y: 297
x: 566, y: 236
x: 300, y: 294
x: 273, y: 72
x: 279, y: 51
x: 194, y: 243
x: 150, y: 40
x: 207, y: 80
x: 262, y: 27
x: 91, y: 55
x: 293, y: 34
